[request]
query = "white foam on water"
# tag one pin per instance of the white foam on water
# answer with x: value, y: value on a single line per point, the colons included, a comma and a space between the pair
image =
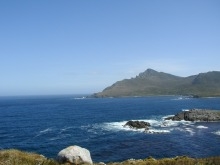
x: 158, y: 125
x: 113, y: 126
x: 217, y: 132
x: 43, y: 132
x: 157, y: 131
x: 170, y: 123
x: 179, y: 98
x: 46, y: 130
x: 120, y: 126
x: 94, y: 128
x: 61, y: 136
x: 116, y: 126
x: 153, y: 122
x: 201, y: 127
x: 190, y: 131
x: 175, y: 123
x: 185, y: 110
x: 65, y: 129
x: 79, y: 98
x: 164, y: 117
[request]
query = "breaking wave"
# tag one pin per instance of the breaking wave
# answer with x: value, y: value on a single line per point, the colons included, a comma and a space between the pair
x: 202, y: 127
x: 217, y: 133
x: 181, y: 98
x: 158, y: 126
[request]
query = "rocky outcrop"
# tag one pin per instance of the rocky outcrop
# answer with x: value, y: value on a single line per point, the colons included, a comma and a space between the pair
x: 197, y: 115
x: 137, y: 124
x: 74, y: 155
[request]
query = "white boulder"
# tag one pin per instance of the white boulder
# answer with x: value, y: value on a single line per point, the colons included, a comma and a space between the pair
x: 74, y: 155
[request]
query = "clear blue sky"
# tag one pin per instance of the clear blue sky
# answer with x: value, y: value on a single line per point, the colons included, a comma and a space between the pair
x: 70, y: 47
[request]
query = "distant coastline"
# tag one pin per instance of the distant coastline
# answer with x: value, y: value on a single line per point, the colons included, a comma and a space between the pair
x: 180, y: 96
x: 153, y: 83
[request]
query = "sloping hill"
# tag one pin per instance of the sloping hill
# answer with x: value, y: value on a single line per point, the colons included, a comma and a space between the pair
x: 152, y: 82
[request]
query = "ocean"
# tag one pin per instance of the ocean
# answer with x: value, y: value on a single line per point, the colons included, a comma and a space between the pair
x: 48, y: 124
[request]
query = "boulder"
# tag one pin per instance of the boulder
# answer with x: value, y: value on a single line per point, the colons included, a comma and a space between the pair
x: 137, y: 124
x: 74, y: 155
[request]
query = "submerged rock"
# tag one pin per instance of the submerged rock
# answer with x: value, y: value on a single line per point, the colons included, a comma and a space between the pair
x: 196, y: 115
x: 137, y: 124
x: 74, y: 155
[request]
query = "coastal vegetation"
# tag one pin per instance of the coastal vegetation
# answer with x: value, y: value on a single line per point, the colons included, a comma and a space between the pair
x: 152, y: 82
x: 16, y: 157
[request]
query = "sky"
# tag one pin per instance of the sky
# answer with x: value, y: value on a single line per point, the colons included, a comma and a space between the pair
x: 52, y: 47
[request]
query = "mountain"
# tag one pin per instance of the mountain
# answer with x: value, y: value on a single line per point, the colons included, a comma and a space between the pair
x: 152, y: 82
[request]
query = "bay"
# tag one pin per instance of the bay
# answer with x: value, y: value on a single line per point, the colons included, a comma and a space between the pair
x: 47, y: 124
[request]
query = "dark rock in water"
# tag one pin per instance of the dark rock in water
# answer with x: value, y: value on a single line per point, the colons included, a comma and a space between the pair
x: 195, y: 96
x: 197, y: 115
x: 137, y: 124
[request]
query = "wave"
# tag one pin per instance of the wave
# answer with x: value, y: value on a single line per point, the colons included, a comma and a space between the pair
x: 190, y: 131
x: 79, y: 98
x: 53, y: 131
x: 157, y: 131
x: 180, y: 98
x: 158, y: 125
x: 202, y: 127
x: 185, y: 110
x: 217, y: 132
x: 46, y: 130
x: 43, y: 132
x: 120, y: 126
x: 65, y: 129
x: 61, y: 136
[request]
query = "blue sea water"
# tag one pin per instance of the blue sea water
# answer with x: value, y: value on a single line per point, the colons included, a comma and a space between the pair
x: 47, y: 124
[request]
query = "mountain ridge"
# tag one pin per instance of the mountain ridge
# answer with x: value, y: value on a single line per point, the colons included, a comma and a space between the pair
x: 151, y: 82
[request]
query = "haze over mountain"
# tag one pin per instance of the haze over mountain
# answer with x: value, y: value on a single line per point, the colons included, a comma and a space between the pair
x: 152, y: 82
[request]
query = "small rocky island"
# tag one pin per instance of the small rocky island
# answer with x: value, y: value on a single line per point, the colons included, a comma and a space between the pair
x: 137, y: 124
x: 197, y: 115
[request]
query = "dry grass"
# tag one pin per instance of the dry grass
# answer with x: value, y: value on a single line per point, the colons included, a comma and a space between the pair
x: 181, y: 160
x: 16, y: 157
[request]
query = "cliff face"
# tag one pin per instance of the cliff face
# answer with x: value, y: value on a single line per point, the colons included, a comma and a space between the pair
x: 152, y: 82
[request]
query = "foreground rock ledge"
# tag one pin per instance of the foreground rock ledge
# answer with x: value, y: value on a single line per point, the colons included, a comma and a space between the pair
x: 16, y: 157
x: 197, y: 115
x: 74, y: 155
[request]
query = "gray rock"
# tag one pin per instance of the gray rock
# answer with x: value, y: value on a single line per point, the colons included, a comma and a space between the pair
x: 197, y: 115
x: 74, y: 155
x: 137, y: 124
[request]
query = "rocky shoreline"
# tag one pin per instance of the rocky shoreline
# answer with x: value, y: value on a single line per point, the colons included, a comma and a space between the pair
x: 193, y: 115
x: 16, y: 157
x: 196, y: 115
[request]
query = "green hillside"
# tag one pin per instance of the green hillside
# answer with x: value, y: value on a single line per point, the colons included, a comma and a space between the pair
x: 152, y: 82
